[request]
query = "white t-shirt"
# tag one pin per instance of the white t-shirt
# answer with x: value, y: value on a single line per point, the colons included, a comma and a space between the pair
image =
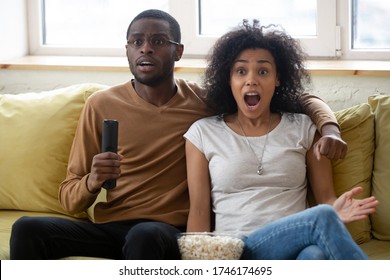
x: 243, y: 200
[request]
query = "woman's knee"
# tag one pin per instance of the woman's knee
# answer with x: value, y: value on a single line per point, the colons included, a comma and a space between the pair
x: 312, y: 252
x: 325, y: 211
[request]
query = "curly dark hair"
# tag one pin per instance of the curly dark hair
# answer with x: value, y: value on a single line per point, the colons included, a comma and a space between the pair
x: 289, y: 59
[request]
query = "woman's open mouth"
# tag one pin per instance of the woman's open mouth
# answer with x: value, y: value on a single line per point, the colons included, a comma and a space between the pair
x: 252, y: 100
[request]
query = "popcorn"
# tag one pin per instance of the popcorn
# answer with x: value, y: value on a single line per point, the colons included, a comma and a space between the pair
x: 210, y: 246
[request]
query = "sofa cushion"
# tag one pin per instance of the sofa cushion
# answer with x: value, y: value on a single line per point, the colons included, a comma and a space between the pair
x: 357, y: 129
x: 376, y: 249
x: 381, y: 174
x: 37, y: 131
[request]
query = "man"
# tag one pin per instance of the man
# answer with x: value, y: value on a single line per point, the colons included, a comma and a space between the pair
x: 149, y: 206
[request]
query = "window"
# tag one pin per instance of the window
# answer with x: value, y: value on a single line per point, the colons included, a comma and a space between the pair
x: 317, y: 37
x: 302, y: 24
x: 88, y: 27
x: 90, y: 23
x: 370, y: 29
x: 364, y: 30
x: 353, y: 29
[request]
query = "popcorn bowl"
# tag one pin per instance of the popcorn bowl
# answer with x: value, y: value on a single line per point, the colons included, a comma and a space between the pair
x: 210, y: 246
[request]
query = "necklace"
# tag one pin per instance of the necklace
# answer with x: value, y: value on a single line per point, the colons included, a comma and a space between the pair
x: 260, y: 169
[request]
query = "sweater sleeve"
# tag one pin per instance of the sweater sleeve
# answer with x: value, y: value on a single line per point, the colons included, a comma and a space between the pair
x: 74, y: 195
x: 318, y: 110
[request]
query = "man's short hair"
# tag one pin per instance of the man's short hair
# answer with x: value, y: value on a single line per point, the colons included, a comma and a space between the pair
x: 158, y: 14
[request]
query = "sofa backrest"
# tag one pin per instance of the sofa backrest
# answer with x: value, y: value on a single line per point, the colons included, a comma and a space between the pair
x: 381, y: 174
x: 366, y: 129
x: 357, y: 129
x: 37, y: 131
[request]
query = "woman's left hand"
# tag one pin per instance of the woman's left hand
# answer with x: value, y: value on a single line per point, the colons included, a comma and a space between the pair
x: 350, y: 209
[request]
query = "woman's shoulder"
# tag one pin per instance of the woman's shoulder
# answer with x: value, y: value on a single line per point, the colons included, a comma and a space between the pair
x: 205, y: 127
x: 298, y: 118
x: 296, y: 122
x: 209, y: 122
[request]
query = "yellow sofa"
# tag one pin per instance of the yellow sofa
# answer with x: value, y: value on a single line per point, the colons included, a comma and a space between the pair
x: 37, y: 130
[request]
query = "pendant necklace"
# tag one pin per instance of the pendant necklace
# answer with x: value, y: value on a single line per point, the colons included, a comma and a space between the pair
x: 260, y: 169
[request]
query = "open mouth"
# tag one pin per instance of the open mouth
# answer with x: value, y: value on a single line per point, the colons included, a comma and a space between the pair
x: 145, y: 63
x: 252, y: 99
x: 146, y: 66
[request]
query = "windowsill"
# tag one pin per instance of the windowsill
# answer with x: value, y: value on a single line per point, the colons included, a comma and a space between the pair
x: 315, y: 67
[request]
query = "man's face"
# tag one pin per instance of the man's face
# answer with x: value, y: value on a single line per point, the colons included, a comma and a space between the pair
x: 150, y: 55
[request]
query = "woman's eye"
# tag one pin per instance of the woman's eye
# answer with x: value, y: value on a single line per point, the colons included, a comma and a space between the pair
x: 241, y: 71
x: 263, y: 72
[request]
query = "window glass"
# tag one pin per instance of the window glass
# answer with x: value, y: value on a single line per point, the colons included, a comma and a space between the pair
x: 95, y: 23
x: 297, y: 17
x: 354, y: 29
x: 370, y: 24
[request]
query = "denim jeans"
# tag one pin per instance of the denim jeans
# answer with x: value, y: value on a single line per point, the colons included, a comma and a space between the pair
x: 54, y: 238
x: 315, y: 233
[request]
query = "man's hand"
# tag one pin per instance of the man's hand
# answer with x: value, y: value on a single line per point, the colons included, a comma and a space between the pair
x: 330, y: 144
x: 104, y: 166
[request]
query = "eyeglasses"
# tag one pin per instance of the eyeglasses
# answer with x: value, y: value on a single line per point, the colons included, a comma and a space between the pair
x: 156, y: 41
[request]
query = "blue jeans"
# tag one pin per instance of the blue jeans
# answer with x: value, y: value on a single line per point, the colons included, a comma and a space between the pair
x: 315, y: 233
x: 54, y: 238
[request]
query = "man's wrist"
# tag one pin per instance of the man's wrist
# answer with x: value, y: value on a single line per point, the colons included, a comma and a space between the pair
x: 329, y: 129
x: 95, y: 191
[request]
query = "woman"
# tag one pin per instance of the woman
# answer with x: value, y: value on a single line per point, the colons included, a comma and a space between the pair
x: 254, y: 157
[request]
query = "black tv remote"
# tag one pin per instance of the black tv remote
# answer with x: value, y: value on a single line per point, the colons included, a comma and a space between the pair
x: 110, y: 144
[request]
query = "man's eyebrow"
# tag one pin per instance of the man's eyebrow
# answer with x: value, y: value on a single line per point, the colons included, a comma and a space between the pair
x: 154, y: 34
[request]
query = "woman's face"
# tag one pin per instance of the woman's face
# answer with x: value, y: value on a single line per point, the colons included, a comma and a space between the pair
x: 253, y: 79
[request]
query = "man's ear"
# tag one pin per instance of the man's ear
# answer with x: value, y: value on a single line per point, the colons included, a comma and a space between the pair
x: 179, y: 52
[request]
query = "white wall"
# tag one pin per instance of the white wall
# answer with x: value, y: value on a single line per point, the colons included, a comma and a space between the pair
x: 13, y: 29
x: 344, y: 91
x: 338, y: 91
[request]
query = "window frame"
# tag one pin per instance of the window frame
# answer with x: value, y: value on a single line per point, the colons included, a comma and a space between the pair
x: 345, y: 19
x: 36, y: 47
x: 333, y: 28
x: 321, y: 46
